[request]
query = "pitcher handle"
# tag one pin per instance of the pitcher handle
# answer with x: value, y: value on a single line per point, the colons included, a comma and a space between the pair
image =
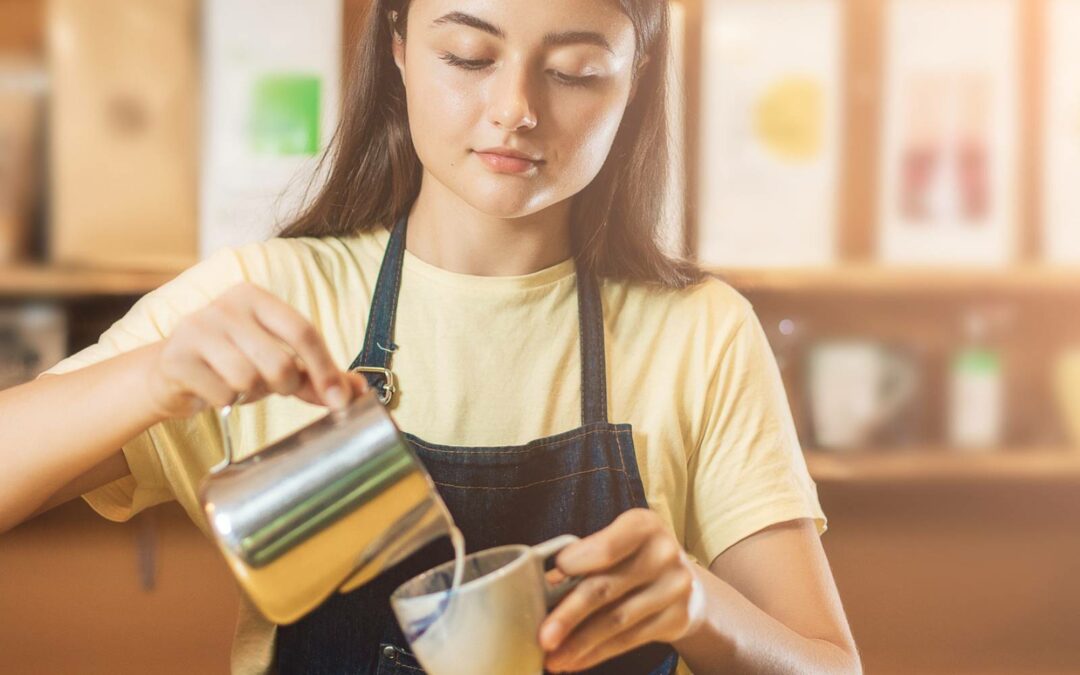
x: 226, y: 436
x: 554, y: 593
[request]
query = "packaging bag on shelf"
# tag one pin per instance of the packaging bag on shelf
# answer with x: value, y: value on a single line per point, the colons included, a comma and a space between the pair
x: 272, y: 92
x: 33, y: 338
x: 123, y: 133
x: 22, y: 84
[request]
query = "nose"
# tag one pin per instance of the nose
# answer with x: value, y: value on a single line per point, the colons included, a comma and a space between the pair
x: 511, y: 103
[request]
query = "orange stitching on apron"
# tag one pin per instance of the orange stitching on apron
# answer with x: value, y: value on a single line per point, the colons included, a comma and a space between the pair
x: 539, y: 482
x: 530, y: 446
x: 622, y: 460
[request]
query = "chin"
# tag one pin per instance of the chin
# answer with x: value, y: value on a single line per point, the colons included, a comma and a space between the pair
x: 503, y: 199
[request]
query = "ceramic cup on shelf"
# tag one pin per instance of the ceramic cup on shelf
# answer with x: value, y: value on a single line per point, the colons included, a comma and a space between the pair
x: 857, y: 387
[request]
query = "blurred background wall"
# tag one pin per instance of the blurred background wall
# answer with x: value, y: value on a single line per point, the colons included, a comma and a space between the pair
x: 892, y: 183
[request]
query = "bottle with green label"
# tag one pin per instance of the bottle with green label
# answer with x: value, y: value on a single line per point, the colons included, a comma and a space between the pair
x: 976, y: 401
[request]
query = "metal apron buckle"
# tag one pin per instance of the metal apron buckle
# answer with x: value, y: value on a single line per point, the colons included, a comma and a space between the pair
x: 388, y: 387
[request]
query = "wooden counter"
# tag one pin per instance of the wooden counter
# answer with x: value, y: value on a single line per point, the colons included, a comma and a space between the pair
x: 73, y: 600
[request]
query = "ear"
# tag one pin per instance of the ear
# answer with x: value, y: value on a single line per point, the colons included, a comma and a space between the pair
x: 399, y: 52
x: 397, y: 43
x: 637, y: 77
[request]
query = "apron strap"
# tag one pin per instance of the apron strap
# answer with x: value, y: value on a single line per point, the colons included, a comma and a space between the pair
x: 593, y: 366
x: 379, y: 346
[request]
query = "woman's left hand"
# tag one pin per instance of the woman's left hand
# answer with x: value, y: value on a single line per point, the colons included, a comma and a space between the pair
x: 639, y: 586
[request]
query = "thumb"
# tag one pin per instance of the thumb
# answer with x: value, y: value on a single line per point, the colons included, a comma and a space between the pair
x: 357, y: 382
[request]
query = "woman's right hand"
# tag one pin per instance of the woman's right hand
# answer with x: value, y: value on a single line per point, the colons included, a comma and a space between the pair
x: 247, y: 341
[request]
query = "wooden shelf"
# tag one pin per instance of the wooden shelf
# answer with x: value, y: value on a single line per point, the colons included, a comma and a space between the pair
x: 883, y: 279
x: 45, y: 281
x: 944, y: 465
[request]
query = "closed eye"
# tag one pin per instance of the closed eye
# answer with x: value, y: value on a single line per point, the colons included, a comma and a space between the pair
x: 480, y: 64
x: 571, y: 80
x: 467, y: 64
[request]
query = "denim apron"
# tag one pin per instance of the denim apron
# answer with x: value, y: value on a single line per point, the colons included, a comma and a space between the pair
x: 576, y: 481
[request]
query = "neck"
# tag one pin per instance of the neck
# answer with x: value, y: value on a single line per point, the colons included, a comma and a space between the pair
x: 446, y: 232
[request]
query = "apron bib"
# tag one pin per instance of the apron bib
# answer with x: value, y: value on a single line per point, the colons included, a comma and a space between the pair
x: 574, y: 482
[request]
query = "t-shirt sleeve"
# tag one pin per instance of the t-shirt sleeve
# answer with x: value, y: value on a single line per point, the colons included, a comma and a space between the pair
x: 150, y: 319
x: 748, y: 471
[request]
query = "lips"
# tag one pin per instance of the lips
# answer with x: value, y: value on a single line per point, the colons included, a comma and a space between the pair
x: 508, y: 160
x: 512, y: 152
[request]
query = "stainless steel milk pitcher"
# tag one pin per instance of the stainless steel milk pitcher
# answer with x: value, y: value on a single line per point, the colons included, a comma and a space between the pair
x: 326, y: 508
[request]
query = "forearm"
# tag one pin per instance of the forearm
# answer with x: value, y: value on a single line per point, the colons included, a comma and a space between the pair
x: 56, y: 428
x: 738, y: 636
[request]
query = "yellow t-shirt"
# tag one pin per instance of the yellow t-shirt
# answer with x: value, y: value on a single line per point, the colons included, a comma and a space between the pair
x: 487, y: 361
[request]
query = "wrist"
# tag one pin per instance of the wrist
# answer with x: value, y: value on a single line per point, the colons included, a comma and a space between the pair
x: 697, y: 605
x: 147, y: 382
x: 711, y: 644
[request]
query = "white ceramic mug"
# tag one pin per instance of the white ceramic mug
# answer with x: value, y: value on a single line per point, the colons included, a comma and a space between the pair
x: 491, y: 623
x: 855, y: 386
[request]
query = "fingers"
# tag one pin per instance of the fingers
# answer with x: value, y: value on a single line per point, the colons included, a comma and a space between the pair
x: 247, y: 341
x: 633, y: 637
x: 279, y: 370
x: 245, y: 356
x: 294, y: 330
x: 615, y: 629
x: 307, y: 393
x: 599, y: 590
x: 358, y: 382
x: 204, y: 382
x: 307, y: 389
x: 229, y: 362
x: 609, y: 546
x: 554, y: 576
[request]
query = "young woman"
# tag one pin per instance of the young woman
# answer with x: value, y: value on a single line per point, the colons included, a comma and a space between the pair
x: 488, y: 230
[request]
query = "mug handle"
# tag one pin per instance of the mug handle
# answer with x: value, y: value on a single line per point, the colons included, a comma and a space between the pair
x: 553, y: 593
x: 901, y: 382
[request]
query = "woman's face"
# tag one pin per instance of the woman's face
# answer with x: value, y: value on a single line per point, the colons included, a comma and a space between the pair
x: 549, y: 78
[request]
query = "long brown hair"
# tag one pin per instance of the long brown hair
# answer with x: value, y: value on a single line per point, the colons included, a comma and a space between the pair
x: 374, y: 173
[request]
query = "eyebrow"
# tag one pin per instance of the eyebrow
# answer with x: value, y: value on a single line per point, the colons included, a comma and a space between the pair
x: 551, y: 39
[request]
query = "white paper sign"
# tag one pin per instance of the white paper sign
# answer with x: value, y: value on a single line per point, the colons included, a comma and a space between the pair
x: 770, y: 130
x: 949, y: 144
x: 1061, y: 134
